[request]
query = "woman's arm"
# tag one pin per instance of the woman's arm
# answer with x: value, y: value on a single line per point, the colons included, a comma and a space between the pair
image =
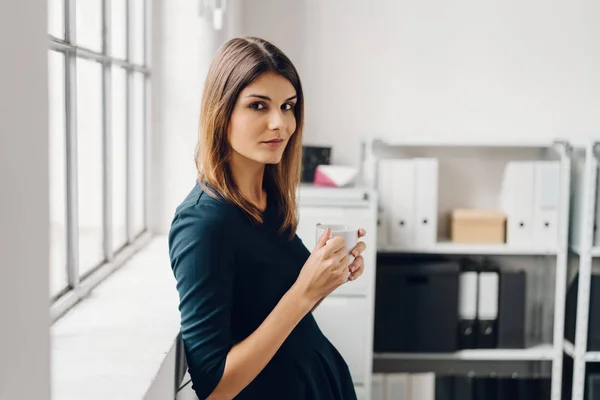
x: 248, y: 358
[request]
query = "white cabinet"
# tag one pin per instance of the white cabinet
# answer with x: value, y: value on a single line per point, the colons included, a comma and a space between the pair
x: 359, y: 217
x: 346, y: 316
x: 345, y: 322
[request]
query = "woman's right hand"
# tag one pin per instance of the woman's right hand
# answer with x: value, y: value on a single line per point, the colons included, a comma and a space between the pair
x: 326, y: 269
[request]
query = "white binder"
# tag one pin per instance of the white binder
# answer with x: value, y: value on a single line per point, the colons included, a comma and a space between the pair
x: 487, y: 304
x: 398, y: 387
x: 596, y: 239
x: 385, y: 188
x: 426, y: 201
x: 378, y: 382
x: 546, y: 202
x: 517, y: 199
x: 402, y: 221
x: 422, y: 386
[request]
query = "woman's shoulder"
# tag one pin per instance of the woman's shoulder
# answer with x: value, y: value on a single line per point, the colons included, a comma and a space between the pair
x: 202, y: 208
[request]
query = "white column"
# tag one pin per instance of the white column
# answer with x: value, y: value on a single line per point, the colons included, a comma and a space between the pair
x: 24, y: 202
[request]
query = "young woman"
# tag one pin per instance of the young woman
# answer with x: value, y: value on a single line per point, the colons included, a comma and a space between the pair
x: 247, y: 284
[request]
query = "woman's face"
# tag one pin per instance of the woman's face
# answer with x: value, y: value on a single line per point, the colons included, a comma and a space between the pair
x: 263, y: 119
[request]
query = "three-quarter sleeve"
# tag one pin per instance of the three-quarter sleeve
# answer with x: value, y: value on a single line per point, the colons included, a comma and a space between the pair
x: 202, y: 262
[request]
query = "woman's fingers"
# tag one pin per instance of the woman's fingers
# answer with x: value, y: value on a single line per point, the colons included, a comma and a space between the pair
x: 357, y: 268
x: 358, y: 249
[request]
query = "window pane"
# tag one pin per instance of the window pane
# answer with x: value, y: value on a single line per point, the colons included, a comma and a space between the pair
x: 56, y: 18
x: 89, y: 24
x: 89, y: 161
x: 118, y: 28
x: 138, y: 153
x: 57, y: 158
x: 118, y: 156
x: 136, y: 30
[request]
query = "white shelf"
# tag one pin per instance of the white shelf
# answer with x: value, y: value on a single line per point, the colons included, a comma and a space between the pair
x: 481, y: 249
x: 536, y: 353
x: 569, y: 348
x: 592, y: 356
x: 594, y: 251
x: 469, y: 143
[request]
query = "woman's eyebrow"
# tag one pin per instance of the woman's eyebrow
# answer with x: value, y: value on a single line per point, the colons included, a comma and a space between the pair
x: 260, y: 96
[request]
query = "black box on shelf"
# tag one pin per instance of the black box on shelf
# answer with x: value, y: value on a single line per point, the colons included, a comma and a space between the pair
x: 416, y: 307
x: 593, y: 342
x: 312, y: 157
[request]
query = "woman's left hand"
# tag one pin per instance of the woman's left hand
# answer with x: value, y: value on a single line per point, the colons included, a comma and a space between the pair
x: 358, y: 266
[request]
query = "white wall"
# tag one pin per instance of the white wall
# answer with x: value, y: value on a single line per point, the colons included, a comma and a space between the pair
x: 24, y: 203
x: 183, y: 46
x: 439, y: 70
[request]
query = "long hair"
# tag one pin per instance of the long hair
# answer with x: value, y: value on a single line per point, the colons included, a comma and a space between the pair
x: 238, y: 63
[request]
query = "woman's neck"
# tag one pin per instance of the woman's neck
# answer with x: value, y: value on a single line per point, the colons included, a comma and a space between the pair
x: 248, y: 176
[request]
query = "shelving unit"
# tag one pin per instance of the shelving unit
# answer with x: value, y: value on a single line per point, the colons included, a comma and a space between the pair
x: 585, y: 201
x: 476, y: 249
x: 550, y: 353
x: 535, y: 353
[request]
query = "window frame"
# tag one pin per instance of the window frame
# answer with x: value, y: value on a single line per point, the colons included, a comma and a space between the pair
x: 79, y: 286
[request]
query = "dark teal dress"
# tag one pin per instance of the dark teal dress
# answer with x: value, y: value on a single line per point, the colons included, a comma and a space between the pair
x: 230, y: 275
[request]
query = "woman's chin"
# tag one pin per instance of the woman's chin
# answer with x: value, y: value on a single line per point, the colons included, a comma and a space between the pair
x: 270, y: 159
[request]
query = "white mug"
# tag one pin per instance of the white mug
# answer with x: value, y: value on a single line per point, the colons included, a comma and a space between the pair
x: 349, y: 233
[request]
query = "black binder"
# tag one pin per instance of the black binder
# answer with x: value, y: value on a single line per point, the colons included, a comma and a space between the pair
x: 511, y: 310
x: 416, y: 307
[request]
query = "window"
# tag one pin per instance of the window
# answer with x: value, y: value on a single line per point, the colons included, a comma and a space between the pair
x: 98, y: 135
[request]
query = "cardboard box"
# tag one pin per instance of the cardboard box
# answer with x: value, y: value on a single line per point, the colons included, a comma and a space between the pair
x: 477, y: 226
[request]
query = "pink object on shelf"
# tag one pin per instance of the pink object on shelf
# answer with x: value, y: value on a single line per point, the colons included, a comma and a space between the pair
x: 334, y: 175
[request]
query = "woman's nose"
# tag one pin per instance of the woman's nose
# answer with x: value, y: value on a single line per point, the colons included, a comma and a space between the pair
x: 276, y: 121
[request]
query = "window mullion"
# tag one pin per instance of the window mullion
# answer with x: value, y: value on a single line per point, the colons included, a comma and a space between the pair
x: 129, y: 126
x: 71, y: 140
x: 107, y: 134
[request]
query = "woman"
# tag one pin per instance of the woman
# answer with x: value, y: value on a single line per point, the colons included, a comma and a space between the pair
x: 247, y: 284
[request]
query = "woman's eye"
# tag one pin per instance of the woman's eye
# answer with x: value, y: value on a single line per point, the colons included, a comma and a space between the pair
x: 257, y: 106
x: 287, y: 106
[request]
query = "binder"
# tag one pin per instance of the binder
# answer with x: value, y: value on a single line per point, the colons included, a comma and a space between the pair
x: 378, y: 382
x: 546, y: 203
x: 382, y: 228
x: 463, y: 388
x: 485, y: 389
x: 517, y: 199
x: 528, y: 389
x: 402, y: 229
x: 511, y: 310
x: 467, y: 309
x: 397, y: 387
x: 597, y: 218
x: 444, y: 387
x: 507, y: 389
x: 487, y: 310
x: 422, y: 386
x: 385, y: 187
x: 426, y: 201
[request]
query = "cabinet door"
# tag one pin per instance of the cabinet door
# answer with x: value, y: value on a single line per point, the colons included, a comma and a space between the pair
x: 344, y: 321
x: 354, y: 216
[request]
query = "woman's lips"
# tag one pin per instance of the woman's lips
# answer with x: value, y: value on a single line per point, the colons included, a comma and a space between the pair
x: 274, y: 143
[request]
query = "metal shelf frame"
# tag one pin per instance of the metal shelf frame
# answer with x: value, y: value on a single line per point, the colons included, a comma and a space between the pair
x: 563, y: 149
x: 586, y: 251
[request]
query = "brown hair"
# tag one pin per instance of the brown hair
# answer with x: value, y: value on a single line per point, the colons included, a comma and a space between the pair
x: 238, y: 63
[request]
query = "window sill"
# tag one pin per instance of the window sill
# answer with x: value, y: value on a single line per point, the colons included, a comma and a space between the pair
x: 113, y: 343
